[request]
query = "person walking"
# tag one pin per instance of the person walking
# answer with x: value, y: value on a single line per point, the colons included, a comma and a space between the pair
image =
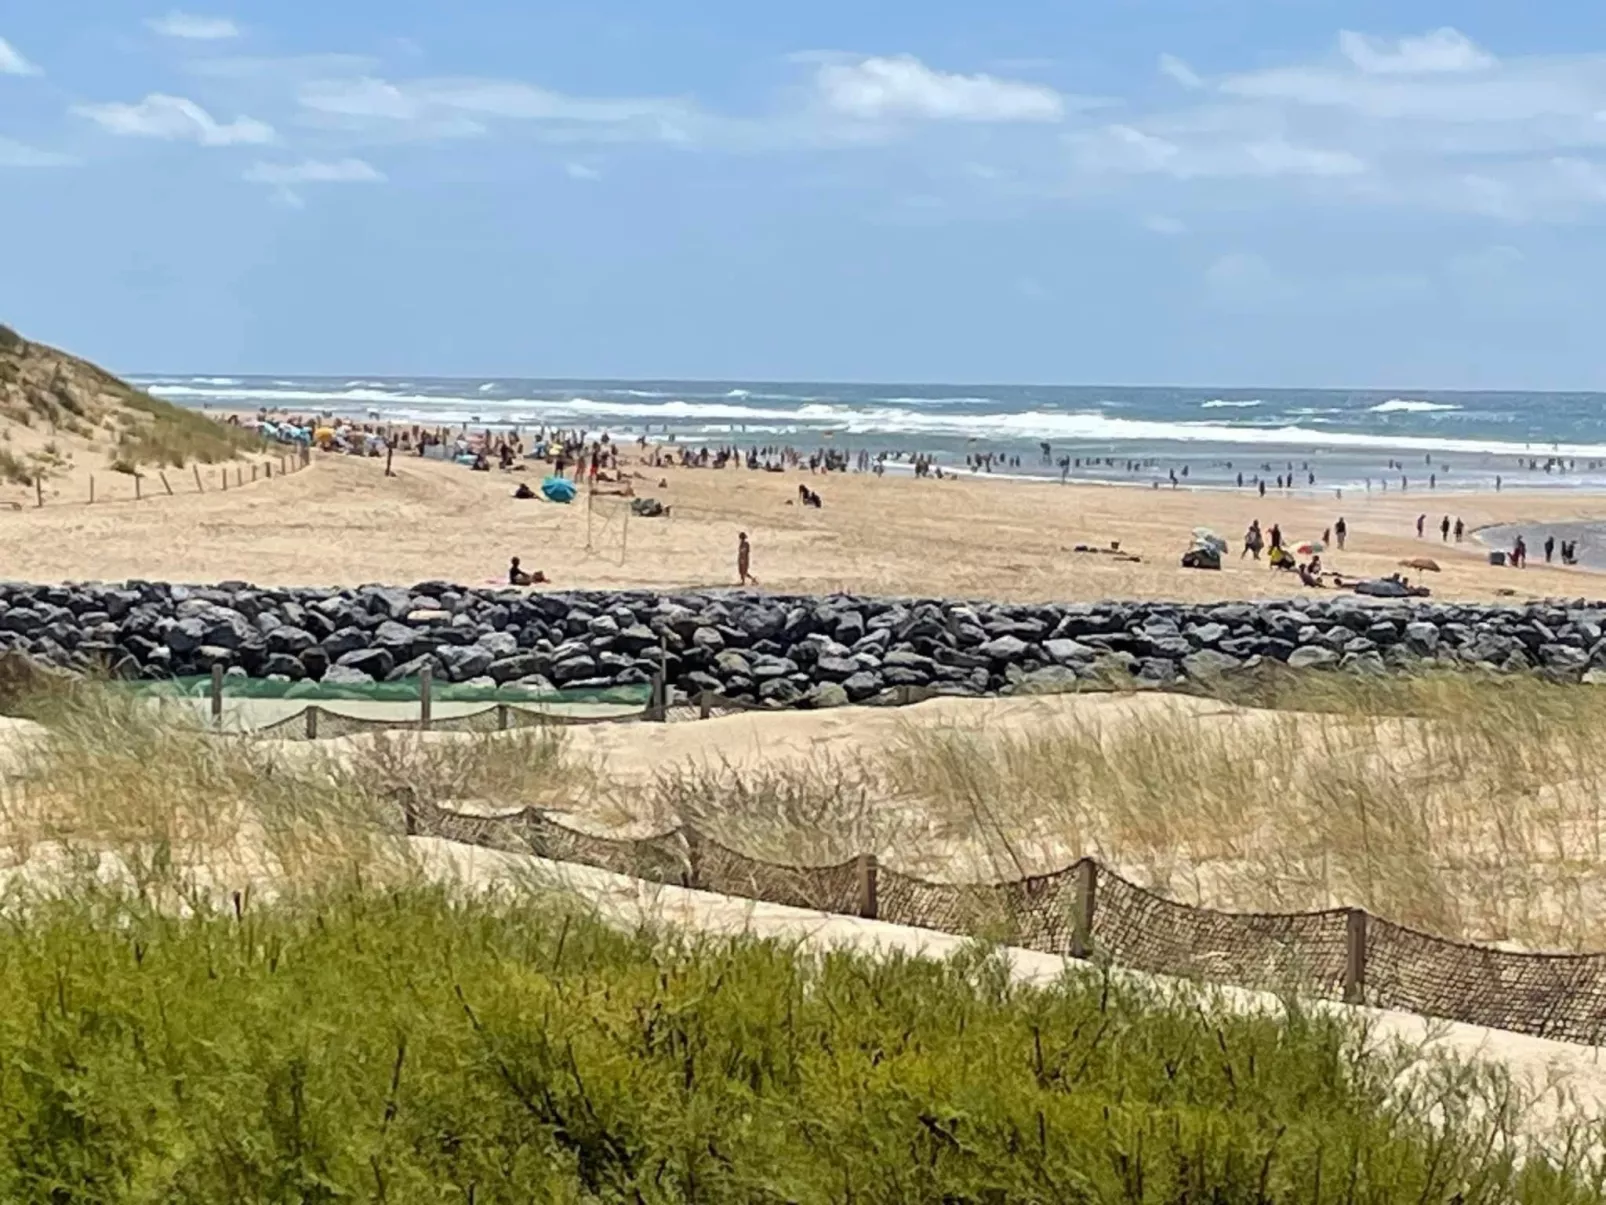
x: 1341, y: 529
x: 1444, y: 530
x: 744, y: 560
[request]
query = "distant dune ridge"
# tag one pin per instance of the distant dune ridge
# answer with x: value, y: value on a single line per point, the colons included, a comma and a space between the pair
x: 62, y: 417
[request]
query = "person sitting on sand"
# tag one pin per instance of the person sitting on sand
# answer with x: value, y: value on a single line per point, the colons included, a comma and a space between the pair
x: 518, y: 577
x: 524, y: 490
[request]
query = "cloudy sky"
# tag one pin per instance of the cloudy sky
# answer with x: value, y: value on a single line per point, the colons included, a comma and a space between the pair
x: 1214, y: 192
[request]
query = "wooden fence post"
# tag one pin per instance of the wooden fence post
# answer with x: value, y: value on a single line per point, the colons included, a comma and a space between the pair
x: 268, y: 470
x: 217, y: 692
x: 312, y: 721
x: 239, y: 474
x: 1355, y: 956
x: 389, y: 452
x: 39, y: 488
x: 503, y: 714
x: 223, y: 477
x: 868, y: 904
x: 137, y: 493
x: 705, y: 704
x: 1087, y: 894
x: 425, y: 676
x: 166, y: 485
x: 199, y: 488
x: 253, y: 472
x: 92, y: 489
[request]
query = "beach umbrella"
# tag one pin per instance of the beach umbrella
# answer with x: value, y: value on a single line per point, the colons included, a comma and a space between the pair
x: 558, y: 489
x: 1309, y: 548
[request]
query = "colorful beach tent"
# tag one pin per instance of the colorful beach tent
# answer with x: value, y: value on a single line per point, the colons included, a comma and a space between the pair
x: 558, y: 489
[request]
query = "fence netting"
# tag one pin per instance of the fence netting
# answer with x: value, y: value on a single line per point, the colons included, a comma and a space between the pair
x: 1558, y: 996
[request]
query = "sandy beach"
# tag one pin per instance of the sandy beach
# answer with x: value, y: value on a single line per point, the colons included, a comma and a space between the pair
x: 343, y: 522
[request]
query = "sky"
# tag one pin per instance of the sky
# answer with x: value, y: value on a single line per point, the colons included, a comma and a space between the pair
x: 1208, y: 192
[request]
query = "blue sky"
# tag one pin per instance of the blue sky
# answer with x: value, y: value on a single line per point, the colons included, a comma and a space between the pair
x: 1258, y: 192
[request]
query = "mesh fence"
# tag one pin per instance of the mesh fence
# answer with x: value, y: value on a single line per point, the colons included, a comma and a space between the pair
x: 324, y: 723
x: 1086, y: 910
x: 1134, y: 927
x: 1559, y: 996
x: 714, y: 867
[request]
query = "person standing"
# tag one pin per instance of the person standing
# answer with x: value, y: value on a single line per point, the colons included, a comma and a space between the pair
x: 1550, y: 548
x: 744, y: 560
x: 1421, y: 522
x: 1341, y: 529
x: 1444, y: 530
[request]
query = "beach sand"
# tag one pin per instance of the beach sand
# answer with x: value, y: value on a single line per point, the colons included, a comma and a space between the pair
x: 342, y: 522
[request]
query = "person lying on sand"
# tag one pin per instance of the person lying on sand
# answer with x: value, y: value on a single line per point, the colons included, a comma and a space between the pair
x: 518, y: 577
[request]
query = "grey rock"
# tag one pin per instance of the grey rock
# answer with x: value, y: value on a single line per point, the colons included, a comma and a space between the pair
x: 1004, y: 648
x: 1312, y: 656
x: 345, y: 675
x: 1208, y: 664
x: 827, y: 694
x: 376, y: 663
x: 1065, y: 651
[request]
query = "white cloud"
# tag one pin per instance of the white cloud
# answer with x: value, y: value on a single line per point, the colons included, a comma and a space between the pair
x: 1175, y: 69
x: 1161, y: 224
x: 581, y: 171
x: 175, y: 119
x: 461, y: 107
x: 18, y: 154
x: 12, y: 62
x: 314, y: 171
x: 880, y: 89
x: 1122, y: 148
x: 194, y: 28
x: 1439, y: 51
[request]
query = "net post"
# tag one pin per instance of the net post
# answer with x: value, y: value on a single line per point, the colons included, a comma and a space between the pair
x: 166, y: 485
x: 199, y: 488
x: 1087, y: 893
x: 1355, y: 956
x: 138, y: 492
x: 868, y: 903
x: 425, y: 679
x: 217, y: 692
x: 502, y: 712
x: 312, y: 721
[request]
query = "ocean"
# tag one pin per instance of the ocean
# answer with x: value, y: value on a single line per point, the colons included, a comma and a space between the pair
x: 1321, y: 439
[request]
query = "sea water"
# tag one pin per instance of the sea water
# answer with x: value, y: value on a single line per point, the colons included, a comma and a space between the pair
x: 1317, y: 440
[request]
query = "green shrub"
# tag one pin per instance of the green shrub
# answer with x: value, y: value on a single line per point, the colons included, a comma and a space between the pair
x: 412, y: 1046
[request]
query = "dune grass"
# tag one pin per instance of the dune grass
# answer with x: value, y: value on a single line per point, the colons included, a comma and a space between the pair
x: 412, y: 1045
x: 265, y: 1002
x: 1466, y: 805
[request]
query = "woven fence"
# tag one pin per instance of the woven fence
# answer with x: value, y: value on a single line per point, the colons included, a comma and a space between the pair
x: 1087, y: 911
x: 316, y: 722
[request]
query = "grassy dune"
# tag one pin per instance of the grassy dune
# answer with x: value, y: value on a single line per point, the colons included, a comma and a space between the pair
x: 340, y: 1030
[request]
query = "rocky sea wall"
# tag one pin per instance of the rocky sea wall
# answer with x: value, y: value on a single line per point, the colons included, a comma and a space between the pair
x: 787, y: 651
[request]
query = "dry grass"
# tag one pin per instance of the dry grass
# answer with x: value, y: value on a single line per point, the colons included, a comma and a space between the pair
x: 1466, y: 806
x: 111, y: 785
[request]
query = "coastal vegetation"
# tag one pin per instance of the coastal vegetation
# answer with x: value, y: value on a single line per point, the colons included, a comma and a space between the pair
x: 48, y: 395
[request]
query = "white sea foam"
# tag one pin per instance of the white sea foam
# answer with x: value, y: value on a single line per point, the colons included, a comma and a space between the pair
x: 489, y: 387
x: 882, y: 421
x: 1220, y: 404
x: 1401, y: 405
